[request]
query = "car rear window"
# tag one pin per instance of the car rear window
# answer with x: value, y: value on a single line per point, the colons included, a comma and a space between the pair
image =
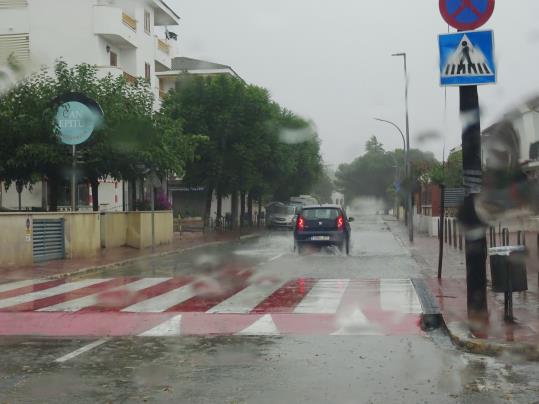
x: 321, y: 213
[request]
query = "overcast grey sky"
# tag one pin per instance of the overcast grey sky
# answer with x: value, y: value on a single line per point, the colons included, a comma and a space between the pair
x: 330, y: 61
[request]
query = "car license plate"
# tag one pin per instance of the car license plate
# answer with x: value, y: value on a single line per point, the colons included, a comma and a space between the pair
x: 320, y: 238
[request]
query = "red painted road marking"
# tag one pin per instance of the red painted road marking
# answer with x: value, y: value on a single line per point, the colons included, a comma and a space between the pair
x: 118, y: 324
x: 286, y: 298
x: 58, y: 324
x: 141, y: 295
x: 72, y: 295
x: 202, y: 303
x: 31, y: 288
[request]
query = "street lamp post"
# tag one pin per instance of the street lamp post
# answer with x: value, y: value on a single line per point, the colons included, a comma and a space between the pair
x: 408, y: 170
x: 406, y: 145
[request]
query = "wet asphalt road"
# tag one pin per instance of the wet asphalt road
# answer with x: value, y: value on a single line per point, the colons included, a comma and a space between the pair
x: 268, y: 369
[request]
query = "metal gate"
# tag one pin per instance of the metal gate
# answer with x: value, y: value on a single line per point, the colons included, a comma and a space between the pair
x: 48, y: 240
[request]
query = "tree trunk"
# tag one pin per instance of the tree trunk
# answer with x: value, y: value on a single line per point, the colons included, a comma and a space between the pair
x: 94, y: 184
x: 234, y: 213
x: 54, y: 184
x: 207, y: 208
x: 250, y: 208
x: 259, y: 211
x: 242, y: 208
x: 220, y: 221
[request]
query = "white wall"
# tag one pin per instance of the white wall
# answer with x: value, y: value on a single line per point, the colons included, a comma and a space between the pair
x: 29, y: 198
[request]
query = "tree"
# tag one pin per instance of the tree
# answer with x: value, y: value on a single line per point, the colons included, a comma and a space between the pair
x: 450, y: 173
x: 373, y: 173
x: 131, y: 133
x: 247, y: 151
x: 324, y: 187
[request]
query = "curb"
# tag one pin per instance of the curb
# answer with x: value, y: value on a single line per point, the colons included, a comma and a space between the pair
x: 119, y: 264
x: 460, y: 336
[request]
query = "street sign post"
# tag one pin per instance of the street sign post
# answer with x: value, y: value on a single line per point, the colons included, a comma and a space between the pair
x: 76, y: 118
x: 466, y: 15
x: 467, y: 58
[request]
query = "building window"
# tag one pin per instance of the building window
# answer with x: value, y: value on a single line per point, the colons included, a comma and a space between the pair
x: 147, y: 71
x: 113, y: 59
x: 147, y: 22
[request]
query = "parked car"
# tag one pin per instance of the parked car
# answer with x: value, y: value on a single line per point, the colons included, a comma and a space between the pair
x: 282, y: 217
x: 322, y: 225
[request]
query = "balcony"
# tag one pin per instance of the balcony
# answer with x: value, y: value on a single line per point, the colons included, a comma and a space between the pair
x: 163, y: 53
x: 130, y: 78
x: 117, y: 27
x: 129, y: 21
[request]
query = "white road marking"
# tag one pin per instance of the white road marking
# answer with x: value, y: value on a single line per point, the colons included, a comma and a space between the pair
x: 355, y: 323
x: 276, y: 257
x: 399, y: 295
x: 169, y: 328
x: 82, y: 350
x: 162, y: 302
x: 91, y: 300
x: 263, y: 326
x: 63, y: 288
x: 324, y: 298
x: 20, y: 284
x: 247, y: 299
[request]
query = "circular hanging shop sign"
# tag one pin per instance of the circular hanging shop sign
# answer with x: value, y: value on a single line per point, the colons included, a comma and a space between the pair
x: 77, y: 117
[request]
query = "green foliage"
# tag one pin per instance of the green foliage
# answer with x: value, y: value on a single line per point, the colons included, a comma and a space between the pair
x: 244, y: 129
x: 449, y: 174
x: 374, y: 173
x: 131, y: 134
x: 323, y: 188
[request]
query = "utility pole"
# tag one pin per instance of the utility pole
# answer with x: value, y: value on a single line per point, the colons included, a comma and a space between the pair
x: 408, y: 170
x: 475, y: 235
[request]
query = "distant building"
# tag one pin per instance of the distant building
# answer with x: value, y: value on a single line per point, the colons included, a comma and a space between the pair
x: 514, y: 140
x: 184, y: 65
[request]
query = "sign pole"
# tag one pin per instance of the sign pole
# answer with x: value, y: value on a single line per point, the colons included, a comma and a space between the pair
x: 74, y: 179
x: 475, y: 239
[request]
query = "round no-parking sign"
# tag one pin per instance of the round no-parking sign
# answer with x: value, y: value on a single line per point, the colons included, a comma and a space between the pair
x: 466, y: 15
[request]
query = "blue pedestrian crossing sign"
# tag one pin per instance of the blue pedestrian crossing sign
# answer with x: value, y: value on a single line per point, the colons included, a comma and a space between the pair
x: 467, y: 58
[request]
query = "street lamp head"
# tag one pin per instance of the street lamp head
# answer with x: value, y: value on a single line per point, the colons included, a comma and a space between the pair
x: 399, y: 54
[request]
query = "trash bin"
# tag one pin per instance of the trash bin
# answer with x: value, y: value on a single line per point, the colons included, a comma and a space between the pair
x: 508, y: 274
x: 508, y: 269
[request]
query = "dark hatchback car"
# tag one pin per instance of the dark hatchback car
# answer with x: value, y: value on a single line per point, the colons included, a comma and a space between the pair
x: 322, y: 225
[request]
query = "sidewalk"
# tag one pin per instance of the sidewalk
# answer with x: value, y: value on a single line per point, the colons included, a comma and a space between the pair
x: 521, y: 338
x: 110, y: 257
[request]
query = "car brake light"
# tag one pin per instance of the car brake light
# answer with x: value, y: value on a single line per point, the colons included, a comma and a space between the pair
x: 340, y: 223
x: 300, y: 224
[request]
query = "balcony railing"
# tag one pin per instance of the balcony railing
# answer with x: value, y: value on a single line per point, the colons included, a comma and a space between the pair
x: 130, y: 78
x: 163, y: 46
x: 129, y: 21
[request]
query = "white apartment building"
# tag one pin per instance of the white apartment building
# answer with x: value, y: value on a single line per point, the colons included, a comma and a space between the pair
x: 122, y: 37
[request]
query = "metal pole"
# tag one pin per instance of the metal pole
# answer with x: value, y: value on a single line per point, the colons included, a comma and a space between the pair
x: 74, y: 179
x: 152, y: 204
x: 441, y: 232
x: 408, y: 168
x: 476, y: 241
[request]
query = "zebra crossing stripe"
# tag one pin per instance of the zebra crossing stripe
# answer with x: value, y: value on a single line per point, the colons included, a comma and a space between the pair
x: 162, y: 302
x: 247, y: 299
x: 4, y: 287
x: 66, y: 287
x: 93, y: 299
x: 324, y: 298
